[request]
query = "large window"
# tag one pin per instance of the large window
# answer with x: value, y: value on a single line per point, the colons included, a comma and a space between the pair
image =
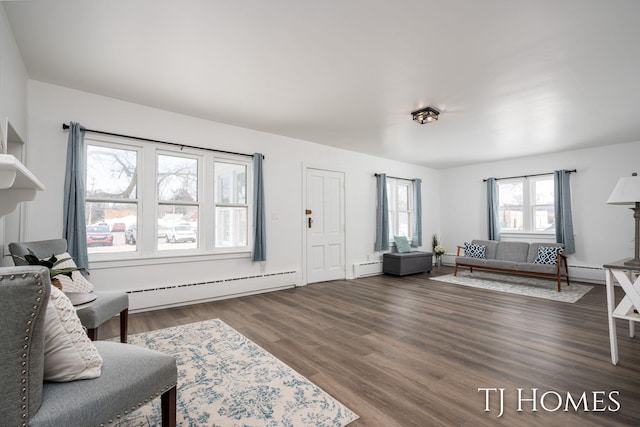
x: 178, y: 207
x: 399, y: 197
x: 232, y: 207
x: 111, y: 196
x: 143, y: 199
x: 527, y: 205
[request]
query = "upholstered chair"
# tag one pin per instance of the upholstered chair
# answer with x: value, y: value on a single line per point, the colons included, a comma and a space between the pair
x: 106, y: 305
x: 130, y: 376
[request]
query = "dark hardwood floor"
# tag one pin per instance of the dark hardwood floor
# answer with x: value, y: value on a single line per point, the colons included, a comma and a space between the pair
x: 412, y: 351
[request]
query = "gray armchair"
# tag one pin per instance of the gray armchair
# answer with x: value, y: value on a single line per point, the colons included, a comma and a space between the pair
x: 106, y: 305
x: 131, y: 376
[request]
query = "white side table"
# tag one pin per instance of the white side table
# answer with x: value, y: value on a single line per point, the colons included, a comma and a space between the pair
x: 624, y: 275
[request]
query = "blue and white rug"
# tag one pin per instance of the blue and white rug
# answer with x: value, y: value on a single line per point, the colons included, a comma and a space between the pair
x: 521, y: 285
x: 225, y: 379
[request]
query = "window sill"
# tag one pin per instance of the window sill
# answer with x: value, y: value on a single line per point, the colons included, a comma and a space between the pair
x: 98, y: 264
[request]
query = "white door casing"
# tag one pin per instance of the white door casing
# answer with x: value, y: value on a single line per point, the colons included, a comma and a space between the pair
x: 324, y: 224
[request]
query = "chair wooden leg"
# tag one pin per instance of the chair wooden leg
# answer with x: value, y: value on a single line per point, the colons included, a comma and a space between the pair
x: 124, y: 321
x: 92, y: 333
x: 168, y: 405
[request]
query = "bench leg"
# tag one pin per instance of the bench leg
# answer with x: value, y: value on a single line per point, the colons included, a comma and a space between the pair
x: 92, y: 334
x: 168, y: 405
x: 455, y: 270
x: 124, y: 321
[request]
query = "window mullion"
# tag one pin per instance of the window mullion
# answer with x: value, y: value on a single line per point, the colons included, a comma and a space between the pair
x: 148, y: 206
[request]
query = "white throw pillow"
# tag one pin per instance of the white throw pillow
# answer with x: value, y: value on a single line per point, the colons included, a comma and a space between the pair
x: 68, y: 353
x: 77, y: 282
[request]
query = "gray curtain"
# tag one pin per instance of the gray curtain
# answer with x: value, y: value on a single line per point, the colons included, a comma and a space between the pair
x: 74, y: 228
x: 259, y: 252
x: 382, y: 214
x: 416, y: 223
x: 564, y: 220
x: 493, y: 220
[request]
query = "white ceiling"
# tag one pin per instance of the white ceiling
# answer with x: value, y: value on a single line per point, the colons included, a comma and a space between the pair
x: 512, y: 78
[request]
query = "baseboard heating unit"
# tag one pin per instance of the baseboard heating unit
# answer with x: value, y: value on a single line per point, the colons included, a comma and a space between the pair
x: 584, y: 273
x: 369, y: 268
x: 173, y: 295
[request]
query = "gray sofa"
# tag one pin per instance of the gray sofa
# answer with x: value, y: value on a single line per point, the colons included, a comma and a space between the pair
x: 515, y: 258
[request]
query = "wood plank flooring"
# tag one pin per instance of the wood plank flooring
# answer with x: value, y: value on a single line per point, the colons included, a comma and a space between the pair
x: 412, y: 351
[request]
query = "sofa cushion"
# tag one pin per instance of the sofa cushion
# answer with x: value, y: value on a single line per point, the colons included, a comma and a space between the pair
x: 547, y: 255
x: 474, y: 250
x: 533, y: 249
x: 512, y: 251
x: 77, y: 282
x: 490, y: 247
x: 488, y: 263
x: 402, y: 245
x: 68, y: 353
x: 537, y: 268
x: 129, y: 374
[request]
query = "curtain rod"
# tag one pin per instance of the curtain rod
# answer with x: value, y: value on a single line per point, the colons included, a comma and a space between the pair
x: 396, y: 177
x: 527, y: 176
x: 66, y: 126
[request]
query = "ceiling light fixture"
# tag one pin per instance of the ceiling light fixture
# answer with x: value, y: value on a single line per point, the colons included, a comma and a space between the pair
x: 426, y: 115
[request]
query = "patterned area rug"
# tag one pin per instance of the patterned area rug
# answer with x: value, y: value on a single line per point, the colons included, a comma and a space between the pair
x: 225, y: 379
x: 521, y: 285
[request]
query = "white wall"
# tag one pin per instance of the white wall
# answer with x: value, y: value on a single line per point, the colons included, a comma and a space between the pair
x: 13, y: 103
x: 285, y: 159
x: 603, y: 233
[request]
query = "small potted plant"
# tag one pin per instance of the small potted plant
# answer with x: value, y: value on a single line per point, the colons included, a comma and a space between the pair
x: 51, y: 263
x: 438, y: 249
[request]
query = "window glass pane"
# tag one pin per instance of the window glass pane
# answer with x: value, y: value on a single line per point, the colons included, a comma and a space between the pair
x: 177, y: 178
x: 544, y: 192
x: 510, y: 196
x: 545, y: 218
x: 403, y: 197
x: 107, y: 225
x: 403, y: 224
x: 177, y: 227
x: 231, y: 227
x: 231, y: 183
x: 111, y: 172
x: 511, y: 219
x: 544, y: 212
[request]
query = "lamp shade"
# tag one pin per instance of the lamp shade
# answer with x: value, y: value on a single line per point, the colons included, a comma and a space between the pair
x: 626, y: 191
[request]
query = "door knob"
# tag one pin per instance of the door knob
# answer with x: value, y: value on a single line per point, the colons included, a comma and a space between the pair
x: 309, y: 221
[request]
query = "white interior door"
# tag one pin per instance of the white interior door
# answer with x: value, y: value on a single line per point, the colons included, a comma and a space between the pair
x: 324, y: 222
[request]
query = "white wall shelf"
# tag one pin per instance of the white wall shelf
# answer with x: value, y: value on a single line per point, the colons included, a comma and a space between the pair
x: 17, y: 184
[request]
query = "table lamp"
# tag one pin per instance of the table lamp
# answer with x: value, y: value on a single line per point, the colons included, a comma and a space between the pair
x: 627, y: 192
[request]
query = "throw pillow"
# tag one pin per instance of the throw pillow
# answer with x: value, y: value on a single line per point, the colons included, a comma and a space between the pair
x: 68, y: 353
x: 473, y: 250
x: 77, y: 282
x: 402, y: 244
x: 547, y: 254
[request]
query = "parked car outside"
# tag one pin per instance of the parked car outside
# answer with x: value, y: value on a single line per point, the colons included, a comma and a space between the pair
x: 99, y: 235
x: 130, y: 235
x: 162, y: 231
x: 118, y: 226
x: 180, y: 234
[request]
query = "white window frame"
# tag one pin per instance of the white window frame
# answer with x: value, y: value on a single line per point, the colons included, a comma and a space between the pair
x: 200, y: 159
x: 392, y: 201
x: 528, y: 206
x: 248, y: 200
x: 148, y: 203
x: 109, y: 143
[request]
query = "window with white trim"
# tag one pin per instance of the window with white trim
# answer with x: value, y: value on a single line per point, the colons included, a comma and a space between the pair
x: 399, y: 199
x: 231, y: 204
x: 144, y: 199
x: 527, y: 204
